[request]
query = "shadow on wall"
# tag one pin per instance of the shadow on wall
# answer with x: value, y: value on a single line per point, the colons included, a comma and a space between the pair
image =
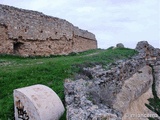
x: 16, y: 47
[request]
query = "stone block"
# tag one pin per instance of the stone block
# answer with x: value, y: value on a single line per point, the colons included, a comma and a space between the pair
x: 37, y: 102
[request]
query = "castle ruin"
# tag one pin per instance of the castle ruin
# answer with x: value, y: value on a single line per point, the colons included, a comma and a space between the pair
x: 31, y: 33
x: 117, y: 93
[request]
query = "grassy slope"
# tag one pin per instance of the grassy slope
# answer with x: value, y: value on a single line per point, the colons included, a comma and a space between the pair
x: 17, y: 72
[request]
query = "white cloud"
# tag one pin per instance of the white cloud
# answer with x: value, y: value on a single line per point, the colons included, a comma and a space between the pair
x: 112, y: 21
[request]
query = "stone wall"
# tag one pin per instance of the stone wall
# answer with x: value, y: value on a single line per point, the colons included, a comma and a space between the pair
x: 117, y: 93
x: 29, y: 33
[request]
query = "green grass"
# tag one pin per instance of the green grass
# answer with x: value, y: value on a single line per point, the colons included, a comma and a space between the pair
x: 17, y: 72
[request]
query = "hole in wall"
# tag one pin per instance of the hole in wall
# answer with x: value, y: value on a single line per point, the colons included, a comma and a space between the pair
x: 41, y: 31
x: 25, y: 30
x: 72, y: 43
x: 17, y: 47
x: 3, y: 25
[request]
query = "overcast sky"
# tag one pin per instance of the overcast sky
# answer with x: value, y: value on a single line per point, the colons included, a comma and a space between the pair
x: 112, y: 21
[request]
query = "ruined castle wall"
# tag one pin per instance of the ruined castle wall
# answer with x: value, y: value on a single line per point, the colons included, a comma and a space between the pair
x: 117, y: 93
x: 33, y: 33
x: 47, y: 47
x: 80, y: 44
x: 5, y: 46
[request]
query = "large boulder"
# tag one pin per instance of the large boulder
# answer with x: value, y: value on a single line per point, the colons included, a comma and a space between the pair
x: 144, y: 46
x: 120, y: 45
x: 146, y: 50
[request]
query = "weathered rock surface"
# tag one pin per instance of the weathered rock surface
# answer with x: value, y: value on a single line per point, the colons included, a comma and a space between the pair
x: 108, y: 83
x: 152, y: 57
x: 120, y: 45
x: 37, y: 102
x: 157, y: 78
x: 147, y: 51
x: 137, y: 110
x: 133, y: 88
x: 84, y: 94
x: 119, y: 93
x: 29, y: 33
x: 80, y: 106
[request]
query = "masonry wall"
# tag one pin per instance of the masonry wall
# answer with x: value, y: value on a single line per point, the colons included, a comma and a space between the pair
x: 5, y: 44
x: 26, y: 32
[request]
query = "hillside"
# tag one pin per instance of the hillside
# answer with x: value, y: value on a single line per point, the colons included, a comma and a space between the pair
x: 17, y: 72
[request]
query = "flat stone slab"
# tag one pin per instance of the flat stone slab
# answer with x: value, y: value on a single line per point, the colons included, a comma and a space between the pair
x: 37, y: 102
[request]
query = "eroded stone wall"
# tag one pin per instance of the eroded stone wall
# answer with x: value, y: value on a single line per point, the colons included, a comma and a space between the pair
x: 119, y: 93
x: 26, y: 32
x: 5, y: 45
x: 80, y: 44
